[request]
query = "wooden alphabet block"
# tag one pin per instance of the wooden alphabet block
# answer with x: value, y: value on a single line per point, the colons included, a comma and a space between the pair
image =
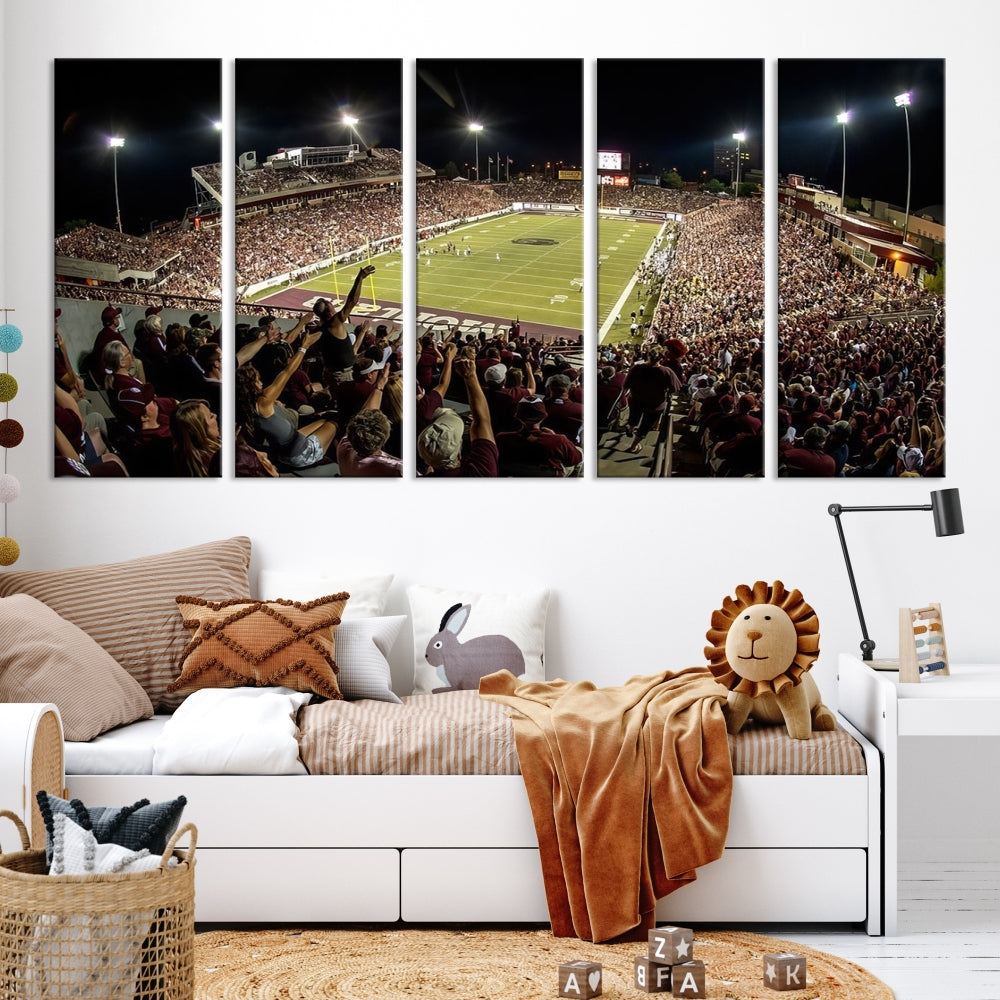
x: 688, y: 980
x: 784, y: 970
x: 581, y: 980
x: 671, y: 945
x: 650, y: 976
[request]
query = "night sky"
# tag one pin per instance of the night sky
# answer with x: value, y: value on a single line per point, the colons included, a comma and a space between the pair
x: 531, y: 110
x: 165, y: 109
x: 300, y: 102
x: 812, y: 92
x: 670, y: 113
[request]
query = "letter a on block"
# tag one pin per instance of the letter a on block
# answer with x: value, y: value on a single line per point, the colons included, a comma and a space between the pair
x: 688, y: 985
x: 580, y: 980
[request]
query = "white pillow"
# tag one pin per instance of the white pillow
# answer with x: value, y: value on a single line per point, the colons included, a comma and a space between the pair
x: 484, y: 633
x: 362, y: 650
x: 368, y: 593
x: 241, y: 730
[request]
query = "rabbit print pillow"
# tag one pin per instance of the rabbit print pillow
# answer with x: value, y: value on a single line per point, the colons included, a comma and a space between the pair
x: 460, y: 636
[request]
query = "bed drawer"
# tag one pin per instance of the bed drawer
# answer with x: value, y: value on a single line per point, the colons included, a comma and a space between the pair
x: 296, y: 885
x: 799, y: 811
x: 758, y: 886
x: 485, y: 885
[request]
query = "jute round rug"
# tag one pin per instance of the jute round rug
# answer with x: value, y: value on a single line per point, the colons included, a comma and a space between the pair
x: 403, y: 964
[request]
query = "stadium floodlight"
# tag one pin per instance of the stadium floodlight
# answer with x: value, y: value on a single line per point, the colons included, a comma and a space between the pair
x: 351, y: 122
x: 476, y: 128
x: 115, y: 143
x: 903, y: 101
x: 842, y: 119
x: 740, y: 138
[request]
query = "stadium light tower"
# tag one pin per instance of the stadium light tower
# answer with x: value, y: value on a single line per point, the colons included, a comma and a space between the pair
x: 116, y: 142
x: 351, y: 122
x: 903, y: 101
x: 842, y: 119
x: 740, y: 138
x: 476, y: 128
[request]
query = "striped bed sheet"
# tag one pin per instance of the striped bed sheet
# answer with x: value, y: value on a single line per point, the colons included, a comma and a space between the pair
x: 457, y: 732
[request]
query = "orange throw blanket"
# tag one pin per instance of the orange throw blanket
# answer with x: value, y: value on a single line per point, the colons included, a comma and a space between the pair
x: 629, y: 789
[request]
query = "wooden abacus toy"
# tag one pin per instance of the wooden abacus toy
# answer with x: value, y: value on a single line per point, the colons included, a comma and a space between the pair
x: 923, y: 651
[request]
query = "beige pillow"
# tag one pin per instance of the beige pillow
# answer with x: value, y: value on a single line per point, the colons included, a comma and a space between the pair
x: 247, y: 643
x: 48, y: 659
x: 130, y: 607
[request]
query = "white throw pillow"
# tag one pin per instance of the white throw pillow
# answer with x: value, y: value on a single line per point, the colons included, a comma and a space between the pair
x: 363, y: 647
x: 460, y: 636
x: 368, y: 593
x: 238, y: 730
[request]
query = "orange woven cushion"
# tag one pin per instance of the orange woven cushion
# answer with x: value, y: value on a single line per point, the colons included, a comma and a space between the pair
x: 246, y: 643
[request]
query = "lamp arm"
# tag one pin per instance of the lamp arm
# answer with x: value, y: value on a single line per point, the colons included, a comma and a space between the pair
x: 867, y: 643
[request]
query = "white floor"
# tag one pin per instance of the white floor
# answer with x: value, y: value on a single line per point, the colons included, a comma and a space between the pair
x: 948, y: 944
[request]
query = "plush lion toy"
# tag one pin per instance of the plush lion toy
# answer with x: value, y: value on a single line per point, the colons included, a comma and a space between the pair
x: 763, y: 643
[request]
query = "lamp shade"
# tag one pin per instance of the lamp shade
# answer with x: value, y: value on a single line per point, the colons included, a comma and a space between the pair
x: 947, y: 509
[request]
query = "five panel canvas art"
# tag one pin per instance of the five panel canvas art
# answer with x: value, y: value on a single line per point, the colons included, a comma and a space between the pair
x: 454, y: 278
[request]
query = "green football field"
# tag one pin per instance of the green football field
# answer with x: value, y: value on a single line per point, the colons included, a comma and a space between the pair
x: 621, y: 245
x: 385, y: 285
x: 538, y: 276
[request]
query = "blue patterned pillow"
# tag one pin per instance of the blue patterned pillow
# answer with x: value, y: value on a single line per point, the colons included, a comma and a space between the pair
x: 140, y: 825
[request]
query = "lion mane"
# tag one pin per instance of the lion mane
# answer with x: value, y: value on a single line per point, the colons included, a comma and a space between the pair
x: 802, y: 617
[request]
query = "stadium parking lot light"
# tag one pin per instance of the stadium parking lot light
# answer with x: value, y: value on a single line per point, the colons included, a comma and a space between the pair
x: 842, y: 119
x: 115, y: 143
x: 740, y: 138
x: 476, y: 128
x: 903, y: 101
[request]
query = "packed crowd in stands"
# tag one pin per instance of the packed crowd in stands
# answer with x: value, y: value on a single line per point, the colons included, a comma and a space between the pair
x: 860, y: 366
x: 655, y: 198
x: 702, y: 342
x: 293, y: 239
x: 505, y: 405
x: 324, y: 394
x: 162, y: 388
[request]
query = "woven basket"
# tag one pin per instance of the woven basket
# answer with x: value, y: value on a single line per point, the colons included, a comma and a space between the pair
x: 97, y: 937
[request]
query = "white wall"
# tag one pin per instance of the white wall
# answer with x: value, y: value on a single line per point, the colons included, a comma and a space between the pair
x: 636, y: 567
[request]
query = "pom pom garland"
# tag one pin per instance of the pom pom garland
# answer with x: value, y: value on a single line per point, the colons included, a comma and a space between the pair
x: 11, y: 433
x: 11, y: 338
x: 10, y: 488
x: 9, y: 551
x: 8, y: 387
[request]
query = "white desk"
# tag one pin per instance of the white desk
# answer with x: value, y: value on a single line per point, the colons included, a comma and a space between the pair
x: 966, y: 703
x: 963, y: 704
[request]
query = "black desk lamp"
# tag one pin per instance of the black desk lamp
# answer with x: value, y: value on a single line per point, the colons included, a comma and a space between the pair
x: 947, y: 509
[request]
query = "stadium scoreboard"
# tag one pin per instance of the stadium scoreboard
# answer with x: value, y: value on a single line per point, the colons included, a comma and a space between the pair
x: 612, y: 159
x: 613, y: 166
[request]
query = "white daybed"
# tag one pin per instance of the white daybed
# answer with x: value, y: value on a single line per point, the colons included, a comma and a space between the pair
x: 462, y: 848
x: 431, y: 848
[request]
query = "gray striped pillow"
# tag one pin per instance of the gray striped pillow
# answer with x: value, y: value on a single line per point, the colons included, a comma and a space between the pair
x: 130, y: 607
